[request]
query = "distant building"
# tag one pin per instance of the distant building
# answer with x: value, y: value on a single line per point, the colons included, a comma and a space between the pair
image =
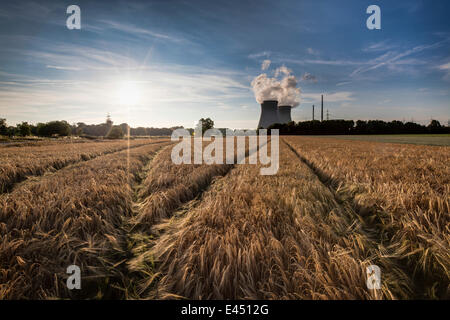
x: 269, y: 114
x: 223, y: 131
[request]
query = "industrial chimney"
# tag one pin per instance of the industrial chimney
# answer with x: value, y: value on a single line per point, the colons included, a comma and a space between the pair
x: 269, y: 114
x: 284, y: 114
x: 321, y: 111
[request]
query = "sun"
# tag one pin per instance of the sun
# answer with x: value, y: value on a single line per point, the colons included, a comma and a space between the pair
x: 129, y: 93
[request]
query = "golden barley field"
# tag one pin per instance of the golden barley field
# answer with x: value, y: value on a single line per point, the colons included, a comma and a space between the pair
x: 142, y: 227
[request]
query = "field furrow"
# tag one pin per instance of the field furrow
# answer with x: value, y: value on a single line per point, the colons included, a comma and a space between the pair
x: 400, y: 191
x: 140, y: 226
x: 278, y: 237
x: 165, y: 190
x: 21, y: 162
x: 74, y: 216
x: 168, y: 186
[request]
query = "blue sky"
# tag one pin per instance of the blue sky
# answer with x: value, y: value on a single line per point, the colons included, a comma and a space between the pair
x: 184, y: 60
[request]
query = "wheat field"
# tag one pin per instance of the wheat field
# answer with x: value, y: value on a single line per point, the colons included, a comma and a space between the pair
x: 141, y: 227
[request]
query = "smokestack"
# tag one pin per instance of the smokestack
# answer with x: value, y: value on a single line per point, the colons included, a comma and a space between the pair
x: 269, y: 114
x: 313, y: 112
x: 284, y: 114
x: 321, y: 111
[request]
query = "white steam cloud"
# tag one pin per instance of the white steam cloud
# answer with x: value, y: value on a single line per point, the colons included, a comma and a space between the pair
x: 282, y: 70
x: 283, y: 90
x: 265, y: 65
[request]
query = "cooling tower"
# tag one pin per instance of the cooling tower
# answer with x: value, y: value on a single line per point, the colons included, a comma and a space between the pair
x: 269, y: 114
x: 284, y: 114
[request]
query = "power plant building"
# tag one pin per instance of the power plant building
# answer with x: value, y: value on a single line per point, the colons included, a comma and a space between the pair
x: 271, y: 114
x: 284, y: 114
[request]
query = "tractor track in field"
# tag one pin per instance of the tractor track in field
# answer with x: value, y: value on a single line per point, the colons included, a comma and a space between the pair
x: 373, y: 229
x: 139, y: 242
x: 119, y: 273
x: 101, y: 241
x: 124, y: 286
x: 54, y: 168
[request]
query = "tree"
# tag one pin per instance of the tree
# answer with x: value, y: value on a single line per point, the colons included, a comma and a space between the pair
x: 78, y: 131
x: 139, y: 131
x: 125, y: 128
x: 24, y: 129
x: 60, y: 128
x: 435, y: 127
x: 3, y: 127
x: 11, y: 131
x: 115, y: 133
x: 33, y: 129
x: 205, y: 124
x: 434, y: 124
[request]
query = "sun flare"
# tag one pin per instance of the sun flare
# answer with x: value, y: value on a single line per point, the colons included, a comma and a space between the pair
x: 128, y: 93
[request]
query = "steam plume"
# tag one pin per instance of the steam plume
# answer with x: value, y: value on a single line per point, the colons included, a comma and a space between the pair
x: 265, y: 65
x: 284, y: 90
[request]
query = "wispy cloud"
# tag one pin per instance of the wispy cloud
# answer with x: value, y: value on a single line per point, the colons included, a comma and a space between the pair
x: 323, y: 62
x: 71, y: 57
x: 28, y: 10
x: 312, y: 51
x: 259, y: 55
x: 138, y: 31
x: 343, y: 83
x: 394, y: 61
x: 379, y: 46
x: 392, y: 58
x: 445, y: 68
x: 161, y: 87
x: 330, y: 97
x: 63, y: 68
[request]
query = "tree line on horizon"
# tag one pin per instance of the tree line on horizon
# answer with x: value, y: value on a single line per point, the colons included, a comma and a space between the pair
x: 341, y: 127
x: 316, y: 127
x: 63, y: 128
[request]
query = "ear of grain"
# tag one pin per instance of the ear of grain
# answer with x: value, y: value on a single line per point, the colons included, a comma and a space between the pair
x: 73, y: 216
x: 267, y: 237
x: 402, y: 192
